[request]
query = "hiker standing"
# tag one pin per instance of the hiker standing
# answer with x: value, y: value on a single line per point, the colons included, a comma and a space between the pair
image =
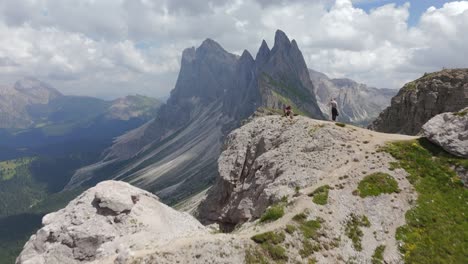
x: 334, y: 108
x: 288, y: 111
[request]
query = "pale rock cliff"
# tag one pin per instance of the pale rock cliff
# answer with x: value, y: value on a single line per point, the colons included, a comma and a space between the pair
x: 420, y: 100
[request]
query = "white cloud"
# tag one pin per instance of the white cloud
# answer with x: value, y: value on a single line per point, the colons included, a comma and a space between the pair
x: 114, y: 47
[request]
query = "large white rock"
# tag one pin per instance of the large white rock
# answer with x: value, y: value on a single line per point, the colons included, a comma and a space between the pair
x: 109, y: 221
x: 450, y: 131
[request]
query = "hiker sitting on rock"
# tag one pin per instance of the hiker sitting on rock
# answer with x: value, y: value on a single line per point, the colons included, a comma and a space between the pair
x: 288, y: 111
x: 334, y: 108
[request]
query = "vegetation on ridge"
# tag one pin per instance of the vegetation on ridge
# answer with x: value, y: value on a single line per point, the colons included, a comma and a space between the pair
x: 436, y: 227
x: 376, y: 184
x: 270, y: 242
x: 320, y: 195
x: 353, y: 230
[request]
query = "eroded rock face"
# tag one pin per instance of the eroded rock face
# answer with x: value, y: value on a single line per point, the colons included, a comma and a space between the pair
x: 422, y: 99
x: 265, y: 160
x: 109, y: 221
x: 450, y: 131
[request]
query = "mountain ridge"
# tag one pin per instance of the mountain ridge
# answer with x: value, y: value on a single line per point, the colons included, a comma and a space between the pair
x: 214, y: 91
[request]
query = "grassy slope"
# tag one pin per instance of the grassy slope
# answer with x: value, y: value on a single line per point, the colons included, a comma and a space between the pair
x: 437, y: 226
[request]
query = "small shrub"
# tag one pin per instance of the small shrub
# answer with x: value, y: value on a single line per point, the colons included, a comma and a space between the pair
x: 273, y: 213
x: 255, y: 257
x: 276, y: 252
x: 270, y: 241
x: 300, y: 217
x: 340, y: 124
x: 376, y: 184
x: 308, y: 248
x: 290, y: 229
x: 269, y: 237
x: 320, y: 195
x: 309, y: 228
x: 377, y: 258
x: 353, y: 230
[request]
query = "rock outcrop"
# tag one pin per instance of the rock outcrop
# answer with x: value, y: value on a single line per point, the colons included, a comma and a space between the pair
x: 106, y: 223
x: 357, y: 103
x: 420, y: 100
x: 175, y: 155
x: 269, y: 157
x: 450, y: 131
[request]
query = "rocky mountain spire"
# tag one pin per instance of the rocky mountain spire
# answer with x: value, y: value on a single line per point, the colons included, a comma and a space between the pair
x: 263, y: 53
x: 281, y: 41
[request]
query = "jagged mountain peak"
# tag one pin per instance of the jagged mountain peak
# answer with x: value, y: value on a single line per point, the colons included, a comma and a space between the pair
x: 210, y: 46
x: 188, y: 55
x: 246, y: 57
x: 281, y: 39
x: 263, y: 53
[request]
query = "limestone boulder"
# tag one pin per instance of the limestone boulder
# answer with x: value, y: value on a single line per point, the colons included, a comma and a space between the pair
x: 449, y: 131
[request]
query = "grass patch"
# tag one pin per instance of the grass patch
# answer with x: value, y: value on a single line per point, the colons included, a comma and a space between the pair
x: 353, y: 229
x: 436, y: 228
x: 308, y: 228
x: 308, y: 248
x: 320, y: 195
x: 254, y: 256
x: 269, y: 237
x: 376, y: 184
x: 273, y: 213
x: 290, y: 229
x: 8, y: 168
x: 377, y: 258
x: 270, y: 242
x: 340, y: 124
x: 461, y: 113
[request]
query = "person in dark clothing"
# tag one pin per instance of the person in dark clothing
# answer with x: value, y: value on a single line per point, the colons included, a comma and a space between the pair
x: 288, y: 111
x: 334, y: 109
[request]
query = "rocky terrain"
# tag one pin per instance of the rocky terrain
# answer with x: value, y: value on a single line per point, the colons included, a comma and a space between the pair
x: 357, y: 103
x: 450, y: 131
x: 271, y: 163
x: 175, y: 155
x: 420, y: 100
x: 108, y: 221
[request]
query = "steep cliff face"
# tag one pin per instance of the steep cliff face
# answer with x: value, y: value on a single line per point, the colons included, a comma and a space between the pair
x: 422, y: 99
x: 357, y: 103
x: 175, y: 154
x: 270, y: 157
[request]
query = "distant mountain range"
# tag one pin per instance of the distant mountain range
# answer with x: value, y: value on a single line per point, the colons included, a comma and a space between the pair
x: 175, y: 155
x: 33, y: 113
x: 44, y: 138
x: 358, y: 103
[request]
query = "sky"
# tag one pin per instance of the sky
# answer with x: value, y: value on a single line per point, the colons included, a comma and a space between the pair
x: 111, y: 48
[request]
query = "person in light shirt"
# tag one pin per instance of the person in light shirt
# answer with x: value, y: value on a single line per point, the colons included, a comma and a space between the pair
x: 334, y: 108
